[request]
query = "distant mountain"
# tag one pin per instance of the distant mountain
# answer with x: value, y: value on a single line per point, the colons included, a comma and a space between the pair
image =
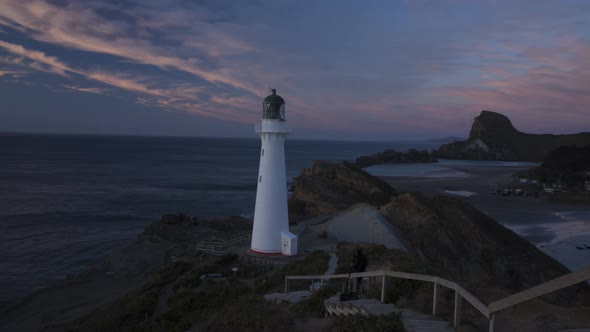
x: 493, y: 136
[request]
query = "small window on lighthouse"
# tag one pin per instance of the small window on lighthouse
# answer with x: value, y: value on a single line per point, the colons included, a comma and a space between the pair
x: 263, y: 152
x: 260, y: 179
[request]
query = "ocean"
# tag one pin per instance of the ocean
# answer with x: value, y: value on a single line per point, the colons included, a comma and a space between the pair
x: 66, y: 201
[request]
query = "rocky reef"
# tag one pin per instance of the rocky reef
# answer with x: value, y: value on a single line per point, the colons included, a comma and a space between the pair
x: 493, y: 137
x: 392, y: 156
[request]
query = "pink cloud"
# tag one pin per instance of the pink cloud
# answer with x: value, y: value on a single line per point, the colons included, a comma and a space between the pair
x: 179, y: 97
x: 95, y: 90
x: 551, y: 95
x: 81, y: 28
x: 40, y: 59
x: 13, y: 73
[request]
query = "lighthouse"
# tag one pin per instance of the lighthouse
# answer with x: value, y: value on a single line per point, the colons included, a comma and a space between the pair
x: 270, y: 231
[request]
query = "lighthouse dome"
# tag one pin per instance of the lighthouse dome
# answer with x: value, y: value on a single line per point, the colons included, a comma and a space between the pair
x: 274, y: 98
x: 273, y: 107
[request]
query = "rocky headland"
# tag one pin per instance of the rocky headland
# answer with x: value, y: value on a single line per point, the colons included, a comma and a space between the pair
x: 458, y: 240
x: 157, y: 282
x: 329, y: 187
x: 493, y: 137
x: 392, y: 156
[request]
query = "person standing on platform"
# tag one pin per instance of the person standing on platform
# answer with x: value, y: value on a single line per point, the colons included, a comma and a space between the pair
x: 359, y: 264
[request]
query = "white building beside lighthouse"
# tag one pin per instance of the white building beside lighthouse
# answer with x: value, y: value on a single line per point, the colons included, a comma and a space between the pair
x: 270, y: 232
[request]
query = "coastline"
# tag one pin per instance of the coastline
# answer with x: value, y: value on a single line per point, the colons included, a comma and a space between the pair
x: 174, y: 236
x: 558, y: 229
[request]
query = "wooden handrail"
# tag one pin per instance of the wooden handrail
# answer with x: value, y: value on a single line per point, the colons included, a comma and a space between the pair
x: 336, y: 276
x: 540, y: 290
x: 488, y: 311
x: 477, y: 304
x: 218, y: 244
x: 217, y: 247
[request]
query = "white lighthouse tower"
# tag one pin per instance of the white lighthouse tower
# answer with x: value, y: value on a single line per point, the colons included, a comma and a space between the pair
x: 270, y: 232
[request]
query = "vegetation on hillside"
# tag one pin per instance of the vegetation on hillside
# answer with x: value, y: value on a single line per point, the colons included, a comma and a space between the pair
x: 177, y: 299
x: 565, y: 165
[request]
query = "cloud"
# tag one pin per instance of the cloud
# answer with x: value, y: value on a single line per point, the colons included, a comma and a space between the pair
x: 429, y: 66
x: 179, y: 97
x: 550, y: 94
x: 95, y: 90
x: 41, y: 61
x: 13, y: 73
x: 81, y: 27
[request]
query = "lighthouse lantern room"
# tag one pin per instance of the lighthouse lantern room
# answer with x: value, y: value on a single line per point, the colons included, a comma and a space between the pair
x: 270, y: 231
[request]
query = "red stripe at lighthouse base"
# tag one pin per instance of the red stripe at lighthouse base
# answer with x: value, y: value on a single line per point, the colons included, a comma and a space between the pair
x: 263, y: 253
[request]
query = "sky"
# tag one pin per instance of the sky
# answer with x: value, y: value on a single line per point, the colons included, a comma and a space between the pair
x: 358, y: 70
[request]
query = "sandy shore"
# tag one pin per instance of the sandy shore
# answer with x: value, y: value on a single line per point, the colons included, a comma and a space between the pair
x: 560, y: 230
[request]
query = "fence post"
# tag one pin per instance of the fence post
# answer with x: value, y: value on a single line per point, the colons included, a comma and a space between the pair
x: 286, y: 285
x: 383, y: 288
x: 434, y: 298
x: 457, y: 320
x: 492, y: 316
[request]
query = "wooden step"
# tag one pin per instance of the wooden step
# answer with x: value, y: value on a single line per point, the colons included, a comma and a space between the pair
x: 419, y: 322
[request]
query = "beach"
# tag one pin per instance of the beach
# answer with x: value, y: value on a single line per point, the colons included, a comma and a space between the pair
x: 560, y: 230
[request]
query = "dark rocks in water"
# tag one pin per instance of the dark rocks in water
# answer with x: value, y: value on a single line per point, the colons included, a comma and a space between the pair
x: 329, y: 187
x: 493, y: 137
x: 467, y: 246
x: 179, y: 229
x: 392, y: 156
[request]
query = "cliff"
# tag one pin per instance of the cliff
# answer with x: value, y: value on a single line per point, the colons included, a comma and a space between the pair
x: 493, y: 136
x: 457, y: 240
x: 466, y: 245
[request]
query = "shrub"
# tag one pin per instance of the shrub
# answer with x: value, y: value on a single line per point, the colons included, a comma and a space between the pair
x: 314, y: 305
x: 314, y: 263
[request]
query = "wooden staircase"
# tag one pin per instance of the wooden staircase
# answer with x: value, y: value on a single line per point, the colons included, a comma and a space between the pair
x: 218, y: 247
x: 422, y: 322
x: 418, y: 322
x: 365, y: 307
x: 413, y: 321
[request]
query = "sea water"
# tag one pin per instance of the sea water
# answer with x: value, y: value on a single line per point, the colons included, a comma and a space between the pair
x: 66, y: 201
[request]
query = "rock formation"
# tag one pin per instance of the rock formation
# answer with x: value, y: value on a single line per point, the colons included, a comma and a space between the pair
x: 493, y: 136
x: 465, y: 245
x: 329, y: 187
x: 458, y: 241
x: 392, y: 156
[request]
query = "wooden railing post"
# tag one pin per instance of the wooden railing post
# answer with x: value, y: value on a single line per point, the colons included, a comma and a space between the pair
x: 383, y: 288
x: 457, y: 316
x: 492, y: 316
x: 286, y: 285
x: 434, y: 298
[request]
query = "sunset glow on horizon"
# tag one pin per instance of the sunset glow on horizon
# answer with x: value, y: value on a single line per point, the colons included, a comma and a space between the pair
x: 374, y: 70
